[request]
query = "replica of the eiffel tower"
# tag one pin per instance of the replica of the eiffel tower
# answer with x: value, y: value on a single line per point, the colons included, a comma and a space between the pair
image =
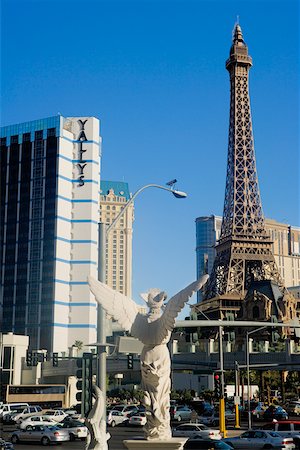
x: 244, y: 269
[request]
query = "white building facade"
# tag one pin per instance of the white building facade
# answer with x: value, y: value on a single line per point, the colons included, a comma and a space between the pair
x: 51, y: 181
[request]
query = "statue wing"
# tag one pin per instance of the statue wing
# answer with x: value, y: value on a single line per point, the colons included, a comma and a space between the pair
x: 167, y: 321
x: 123, y: 309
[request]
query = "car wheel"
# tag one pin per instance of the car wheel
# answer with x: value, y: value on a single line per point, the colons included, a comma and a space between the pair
x: 267, y: 446
x: 113, y: 423
x: 45, y: 441
x: 214, y: 423
x: 14, y: 439
x: 72, y: 437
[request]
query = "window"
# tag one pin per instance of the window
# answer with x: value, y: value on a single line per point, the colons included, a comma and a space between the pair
x: 255, y: 312
x: 38, y: 134
x: 51, y: 132
x: 14, y: 139
x: 26, y: 137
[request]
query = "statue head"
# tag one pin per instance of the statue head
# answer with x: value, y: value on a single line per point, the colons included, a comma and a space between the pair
x: 154, y: 299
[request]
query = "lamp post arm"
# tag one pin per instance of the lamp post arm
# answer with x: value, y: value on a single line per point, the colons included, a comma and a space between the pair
x: 109, y: 228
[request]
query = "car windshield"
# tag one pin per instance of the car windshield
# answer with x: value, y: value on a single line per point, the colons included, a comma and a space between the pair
x: 118, y: 408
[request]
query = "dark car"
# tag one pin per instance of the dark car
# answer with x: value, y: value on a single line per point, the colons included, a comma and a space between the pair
x: 4, y: 445
x: 275, y: 412
x: 206, y: 444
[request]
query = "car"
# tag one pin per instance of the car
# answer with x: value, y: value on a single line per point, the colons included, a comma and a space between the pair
x: 26, y: 412
x: 258, y: 411
x: 75, y: 428
x: 7, y: 408
x: 275, y: 412
x: 211, y: 417
x: 180, y: 413
x: 260, y: 439
x: 36, y: 420
x: 71, y: 412
x: 39, y: 433
x: 138, y: 419
x: 198, y: 443
x: 196, y: 429
x: 289, y: 428
x: 294, y: 408
x: 5, y: 445
x: 125, y: 409
x: 115, y: 417
x: 56, y: 414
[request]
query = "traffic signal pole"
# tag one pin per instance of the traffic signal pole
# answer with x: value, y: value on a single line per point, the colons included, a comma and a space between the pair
x: 222, y: 397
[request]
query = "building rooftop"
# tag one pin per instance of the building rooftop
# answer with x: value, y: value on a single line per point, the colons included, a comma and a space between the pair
x: 120, y: 188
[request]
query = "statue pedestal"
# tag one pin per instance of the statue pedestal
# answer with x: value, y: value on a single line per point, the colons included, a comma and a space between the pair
x: 175, y: 443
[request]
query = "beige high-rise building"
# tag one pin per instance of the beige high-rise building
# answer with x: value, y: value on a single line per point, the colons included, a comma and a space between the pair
x: 113, y: 197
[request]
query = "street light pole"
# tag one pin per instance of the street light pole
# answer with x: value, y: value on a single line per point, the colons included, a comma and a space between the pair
x: 222, y: 399
x: 248, y: 371
x: 103, y: 232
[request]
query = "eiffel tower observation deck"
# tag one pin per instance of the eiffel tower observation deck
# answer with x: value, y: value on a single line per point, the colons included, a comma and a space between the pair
x: 245, y: 281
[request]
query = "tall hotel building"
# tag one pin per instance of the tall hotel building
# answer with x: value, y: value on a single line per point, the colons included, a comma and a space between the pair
x: 114, y: 196
x: 285, y: 247
x: 50, y: 188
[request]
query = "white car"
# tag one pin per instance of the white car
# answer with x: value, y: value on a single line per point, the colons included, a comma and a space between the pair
x: 56, y: 414
x: 75, y: 428
x: 260, y: 439
x: 7, y: 408
x: 115, y: 417
x: 138, y: 419
x: 125, y: 409
x: 25, y: 412
x: 36, y: 420
x: 191, y: 430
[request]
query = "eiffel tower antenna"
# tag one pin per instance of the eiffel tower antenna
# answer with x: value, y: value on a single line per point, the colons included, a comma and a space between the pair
x: 244, y: 251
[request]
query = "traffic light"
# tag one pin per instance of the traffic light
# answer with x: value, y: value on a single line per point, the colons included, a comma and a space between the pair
x: 55, y: 360
x: 84, y: 384
x: 217, y: 386
x: 35, y: 359
x: 130, y: 361
x: 29, y: 358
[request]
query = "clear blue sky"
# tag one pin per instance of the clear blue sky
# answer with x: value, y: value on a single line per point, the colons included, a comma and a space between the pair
x: 154, y: 73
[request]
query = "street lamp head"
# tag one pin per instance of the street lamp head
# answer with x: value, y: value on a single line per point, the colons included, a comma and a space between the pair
x: 179, y: 194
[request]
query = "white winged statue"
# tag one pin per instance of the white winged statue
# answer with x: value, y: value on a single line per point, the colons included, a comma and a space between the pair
x: 154, y: 331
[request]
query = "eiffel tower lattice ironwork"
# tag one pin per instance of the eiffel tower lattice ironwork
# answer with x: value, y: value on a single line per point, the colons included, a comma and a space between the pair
x: 244, y: 250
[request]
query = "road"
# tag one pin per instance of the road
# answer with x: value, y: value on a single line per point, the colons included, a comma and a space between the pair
x: 118, y: 434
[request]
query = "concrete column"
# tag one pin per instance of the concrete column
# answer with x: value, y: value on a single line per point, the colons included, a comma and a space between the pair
x: 266, y: 346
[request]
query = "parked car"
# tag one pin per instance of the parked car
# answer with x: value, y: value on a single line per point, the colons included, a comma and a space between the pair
x: 75, y: 428
x: 275, y: 412
x: 17, y: 417
x: 5, y: 445
x: 7, y: 408
x: 180, y: 413
x: 293, y: 408
x: 138, y: 419
x: 196, y: 429
x: 56, y: 414
x: 198, y: 443
x: 125, y: 409
x: 39, y: 433
x: 289, y: 428
x: 115, y: 417
x: 258, y: 411
x: 71, y: 412
x: 37, y: 420
x: 211, y: 417
x: 260, y: 439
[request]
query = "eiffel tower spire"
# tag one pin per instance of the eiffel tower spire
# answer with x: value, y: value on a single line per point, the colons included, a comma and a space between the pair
x: 244, y: 250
